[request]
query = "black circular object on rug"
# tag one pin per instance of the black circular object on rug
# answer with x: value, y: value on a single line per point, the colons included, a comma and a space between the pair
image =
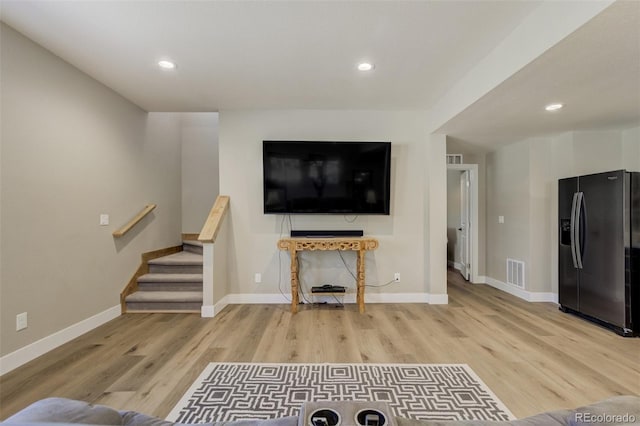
x: 370, y: 417
x: 332, y: 417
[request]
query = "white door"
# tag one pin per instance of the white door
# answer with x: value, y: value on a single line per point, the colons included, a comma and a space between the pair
x: 465, y: 226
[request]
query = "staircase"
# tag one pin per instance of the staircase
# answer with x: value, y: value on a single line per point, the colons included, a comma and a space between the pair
x: 173, y: 284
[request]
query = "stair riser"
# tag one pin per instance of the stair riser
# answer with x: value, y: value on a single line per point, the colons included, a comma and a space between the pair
x: 151, y: 286
x: 173, y: 283
x: 165, y: 306
x: 192, y: 249
x: 175, y: 269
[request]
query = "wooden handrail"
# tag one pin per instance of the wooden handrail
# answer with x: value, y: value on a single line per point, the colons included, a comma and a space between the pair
x: 126, y: 228
x: 212, y: 224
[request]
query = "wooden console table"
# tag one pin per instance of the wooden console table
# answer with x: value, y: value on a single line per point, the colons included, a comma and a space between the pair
x: 294, y: 245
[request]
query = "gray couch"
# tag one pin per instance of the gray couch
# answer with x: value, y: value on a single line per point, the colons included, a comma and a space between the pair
x: 620, y: 410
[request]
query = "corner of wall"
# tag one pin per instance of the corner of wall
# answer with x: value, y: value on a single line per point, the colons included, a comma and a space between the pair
x: 75, y: 149
x: 436, y: 216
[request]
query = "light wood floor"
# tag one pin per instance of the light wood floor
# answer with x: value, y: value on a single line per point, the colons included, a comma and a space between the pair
x: 532, y: 356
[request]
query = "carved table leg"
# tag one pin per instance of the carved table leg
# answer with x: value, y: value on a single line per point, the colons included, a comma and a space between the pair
x: 360, y: 290
x: 294, y: 280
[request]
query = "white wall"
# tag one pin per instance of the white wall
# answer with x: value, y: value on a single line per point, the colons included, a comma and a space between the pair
x: 474, y: 155
x: 522, y: 185
x: 631, y: 149
x: 199, y: 134
x: 254, y: 235
x: 595, y: 152
x: 435, y: 199
x: 508, y: 196
x: 453, y: 215
x: 71, y: 150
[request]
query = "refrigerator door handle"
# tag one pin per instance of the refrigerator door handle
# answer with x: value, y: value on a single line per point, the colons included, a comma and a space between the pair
x: 573, y: 229
x: 578, y: 243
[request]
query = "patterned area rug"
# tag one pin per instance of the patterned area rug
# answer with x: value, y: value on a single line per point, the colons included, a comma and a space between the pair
x: 234, y: 391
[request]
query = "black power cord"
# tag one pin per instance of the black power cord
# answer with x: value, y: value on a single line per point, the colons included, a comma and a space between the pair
x: 356, y: 279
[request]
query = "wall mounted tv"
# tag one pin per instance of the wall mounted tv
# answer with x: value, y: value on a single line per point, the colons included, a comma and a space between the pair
x: 326, y: 177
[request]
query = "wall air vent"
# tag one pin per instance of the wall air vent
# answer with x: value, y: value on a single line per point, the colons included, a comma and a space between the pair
x: 454, y: 159
x: 515, y: 272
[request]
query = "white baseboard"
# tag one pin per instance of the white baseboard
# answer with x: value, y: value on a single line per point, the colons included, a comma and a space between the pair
x: 397, y: 298
x: 277, y: 298
x: 455, y: 265
x: 218, y: 307
x: 32, y: 351
x: 208, y: 311
x: 255, y: 298
x: 438, y: 299
x: 481, y: 279
x: 529, y: 296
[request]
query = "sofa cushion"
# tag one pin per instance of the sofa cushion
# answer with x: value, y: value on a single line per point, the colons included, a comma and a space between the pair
x: 133, y: 418
x: 616, y: 411
x: 556, y: 418
x: 62, y: 410
x: 282, y: 421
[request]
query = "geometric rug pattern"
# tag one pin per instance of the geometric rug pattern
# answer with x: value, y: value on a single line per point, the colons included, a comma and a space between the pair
x: 235, y: 391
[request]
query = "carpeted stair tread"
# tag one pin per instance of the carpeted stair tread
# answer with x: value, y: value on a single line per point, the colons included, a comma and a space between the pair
x: 192, y: 243
x: 173, y: 283
x: 192, y: 246
x: 173, y: 278
x: 180, y: 258
x: 164, y: 297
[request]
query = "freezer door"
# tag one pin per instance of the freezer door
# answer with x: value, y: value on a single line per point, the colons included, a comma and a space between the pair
x: 601, y: 249
x: 567, y: 271
x: 633, y: 297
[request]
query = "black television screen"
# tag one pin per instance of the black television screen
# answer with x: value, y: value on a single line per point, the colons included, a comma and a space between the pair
x: 326, y: 177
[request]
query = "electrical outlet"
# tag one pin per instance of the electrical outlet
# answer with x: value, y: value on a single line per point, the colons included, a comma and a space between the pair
x: 258, y: 278
x: 21, y: 321
x: 500, y: 219
x: 396, y: 277
x: 104, y: 219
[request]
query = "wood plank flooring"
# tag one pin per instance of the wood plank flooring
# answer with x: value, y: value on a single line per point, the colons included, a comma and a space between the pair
x: 532, y: 356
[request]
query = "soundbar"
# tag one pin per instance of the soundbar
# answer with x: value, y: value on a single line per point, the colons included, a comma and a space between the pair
x: 328, y: 288
x: 327, y: 233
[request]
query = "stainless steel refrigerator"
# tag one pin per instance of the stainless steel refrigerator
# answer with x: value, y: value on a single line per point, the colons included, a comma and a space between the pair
x: 599, y: 249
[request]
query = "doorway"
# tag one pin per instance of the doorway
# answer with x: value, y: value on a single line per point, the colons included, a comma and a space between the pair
x: 462, y: 219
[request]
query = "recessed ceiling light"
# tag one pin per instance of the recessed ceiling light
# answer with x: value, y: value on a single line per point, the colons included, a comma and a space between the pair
x: 167, y: 65
x: 553, y: 107
x: 365, y: 66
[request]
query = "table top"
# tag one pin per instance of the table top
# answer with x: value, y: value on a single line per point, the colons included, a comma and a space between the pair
x: 328, y: 243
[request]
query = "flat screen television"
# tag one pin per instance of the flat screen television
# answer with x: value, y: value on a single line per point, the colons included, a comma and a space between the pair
x: 326, y: 177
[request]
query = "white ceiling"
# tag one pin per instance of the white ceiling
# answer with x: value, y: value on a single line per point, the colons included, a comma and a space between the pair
x: 302, y: 54
x: 270, y: 54
x: 594, y: 72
